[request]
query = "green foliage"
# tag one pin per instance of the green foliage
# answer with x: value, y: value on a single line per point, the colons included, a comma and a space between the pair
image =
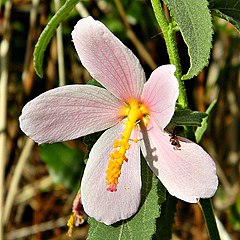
x: 227, y: 9
x: 3, y: 2
x: 89, y: 141
x: 194, y: 21
x: 210, y: 218
x: 65, y: 165
x: 48, y: 33
x: 143, y: 224
x: 166, y: 220
x: 94, y: 83
x: 235, y: 213
x: 202, y: 129
x: 186, y: 117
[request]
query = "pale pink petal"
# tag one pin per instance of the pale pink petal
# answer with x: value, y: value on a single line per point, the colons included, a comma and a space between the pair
x: 104, y: 206
x: 69, y: 112
x: 188, y: 173
x: 160, y: 94
x: 107, y: 59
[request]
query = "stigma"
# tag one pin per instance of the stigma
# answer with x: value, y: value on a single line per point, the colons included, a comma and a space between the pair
x: 134, y: 112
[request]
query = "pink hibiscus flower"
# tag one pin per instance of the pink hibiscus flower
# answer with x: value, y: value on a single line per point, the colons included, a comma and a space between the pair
x: 135, y: 113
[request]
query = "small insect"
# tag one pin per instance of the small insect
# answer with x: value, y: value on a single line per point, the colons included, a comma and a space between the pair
x: 174, y: 141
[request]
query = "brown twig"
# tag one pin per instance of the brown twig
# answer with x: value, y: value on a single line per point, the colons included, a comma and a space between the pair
x: 60, y: 52
x: 16, y: 178
x: 34, y: 229
x: 132, y: 36
x: 4, y: 53
x: 29, y: 47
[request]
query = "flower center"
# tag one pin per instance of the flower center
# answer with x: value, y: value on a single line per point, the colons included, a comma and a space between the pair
x: 135, y: 112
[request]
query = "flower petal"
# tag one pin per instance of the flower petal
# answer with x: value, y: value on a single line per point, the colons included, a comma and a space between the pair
x: 188, y: 173
x: 107, y: 59
x: 160, y: 94
x: 69, y: 112
x: 104, y: 206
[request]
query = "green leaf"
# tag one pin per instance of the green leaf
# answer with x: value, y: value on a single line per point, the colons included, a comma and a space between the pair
x: 227, y: 9
x: 89, y: 141
x: 143, y: 224
x: 234, y: 215
x: 65, y: 165
x: 94, y: 83
x: 186, y: 117
x: 48, y: 33
x: 166, y: 220
x: 202, y: 129
x: 194, y: 21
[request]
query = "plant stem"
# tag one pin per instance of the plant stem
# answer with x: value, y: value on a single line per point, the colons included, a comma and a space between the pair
x: 207, y: 210
x: 132, y: 36
x: 169, y: 37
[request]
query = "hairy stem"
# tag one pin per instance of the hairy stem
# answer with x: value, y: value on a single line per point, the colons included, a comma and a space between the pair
x: 168, y: 32
x: 169, y: 36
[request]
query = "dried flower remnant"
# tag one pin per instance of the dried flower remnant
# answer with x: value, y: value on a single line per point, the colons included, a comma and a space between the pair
x: 77, y: 214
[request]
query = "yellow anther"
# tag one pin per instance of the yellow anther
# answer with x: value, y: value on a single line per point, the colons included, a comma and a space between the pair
x: 116, y: 144
x: 135, y: 113
x: 122, y: 137
x: 126, y: 145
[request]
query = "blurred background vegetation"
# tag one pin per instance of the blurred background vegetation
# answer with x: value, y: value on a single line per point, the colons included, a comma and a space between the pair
x: 38, y: 184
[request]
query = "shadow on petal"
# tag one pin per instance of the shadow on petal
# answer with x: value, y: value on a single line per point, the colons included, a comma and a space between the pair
x: 148, y: 152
